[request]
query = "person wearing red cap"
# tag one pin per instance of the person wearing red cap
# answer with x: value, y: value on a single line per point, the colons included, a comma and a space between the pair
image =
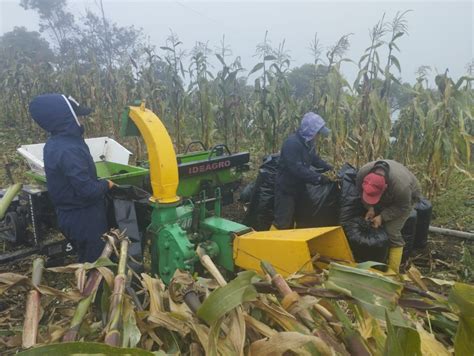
x: 389, y: 192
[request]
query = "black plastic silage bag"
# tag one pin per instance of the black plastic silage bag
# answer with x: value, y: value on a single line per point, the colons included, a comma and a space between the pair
x: 408, y: 233
x: 366, y: 242
x: 247, y: 193
x: 318, y: 206
x: 350, y: 204
x: 259, y: 215
x: 424, y: 210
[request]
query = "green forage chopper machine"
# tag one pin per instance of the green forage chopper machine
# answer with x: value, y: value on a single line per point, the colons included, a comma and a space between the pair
x: 179, y: 227
x: 183, y: 215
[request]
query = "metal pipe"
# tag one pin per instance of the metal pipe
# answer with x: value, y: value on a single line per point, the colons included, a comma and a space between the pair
x: 449, y: 232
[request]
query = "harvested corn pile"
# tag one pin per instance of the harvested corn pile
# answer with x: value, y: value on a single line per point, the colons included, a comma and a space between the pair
x: 342, y: 310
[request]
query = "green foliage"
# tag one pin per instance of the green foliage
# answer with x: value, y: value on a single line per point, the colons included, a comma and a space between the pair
x: 227, y: 298
x: 85, y: 348
x: 462, y: 299
x: 401, y: 340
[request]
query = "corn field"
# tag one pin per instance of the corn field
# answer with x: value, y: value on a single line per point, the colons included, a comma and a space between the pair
x: 108, y: 66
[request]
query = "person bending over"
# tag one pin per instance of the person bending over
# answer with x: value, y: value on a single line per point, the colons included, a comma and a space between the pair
x: 389, y: 192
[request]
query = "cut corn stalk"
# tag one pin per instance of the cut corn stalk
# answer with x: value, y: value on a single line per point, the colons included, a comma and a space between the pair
x: 91, y: 286
x: 33, y: 306
x: 10, y: 194
x: 112, y: 336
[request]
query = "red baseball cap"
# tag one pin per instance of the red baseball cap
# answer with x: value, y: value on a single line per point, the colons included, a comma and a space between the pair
x: 373, y: 187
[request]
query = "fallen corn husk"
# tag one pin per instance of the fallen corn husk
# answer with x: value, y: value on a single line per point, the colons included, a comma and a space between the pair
x: 344, y: 310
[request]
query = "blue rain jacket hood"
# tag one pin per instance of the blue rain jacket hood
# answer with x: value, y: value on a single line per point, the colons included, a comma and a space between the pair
x: 310, y: 125
x: 71, y: 174
x: 53, y: 113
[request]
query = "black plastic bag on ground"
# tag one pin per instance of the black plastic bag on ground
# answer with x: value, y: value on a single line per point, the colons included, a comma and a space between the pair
x: 247, y: 193
x: 350, y: 205
x: 424, y: 210
x: 259, y: 215
x: 318, y: 206
x: 408, y: 234
x: 367, y: 243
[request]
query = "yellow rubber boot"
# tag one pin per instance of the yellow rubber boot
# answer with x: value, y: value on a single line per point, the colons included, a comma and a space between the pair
x: 395, y: 258
x: 273, y: 228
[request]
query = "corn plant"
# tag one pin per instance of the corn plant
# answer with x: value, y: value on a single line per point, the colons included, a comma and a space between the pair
x: 200, y: 90
x: 227, y: 93
x: 175, y: 74
x: 316, y: 51
x: 108, y: 66
x: 447, y: 143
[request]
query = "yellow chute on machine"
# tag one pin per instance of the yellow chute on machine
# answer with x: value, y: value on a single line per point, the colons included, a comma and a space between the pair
x: 164, y: 168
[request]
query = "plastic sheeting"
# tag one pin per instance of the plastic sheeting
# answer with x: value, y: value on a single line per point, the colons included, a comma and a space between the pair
x: 349, y: 200
x: 318, y: 206
x: 260, y: 212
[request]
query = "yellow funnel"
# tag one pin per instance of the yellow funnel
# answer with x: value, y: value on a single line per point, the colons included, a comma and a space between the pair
x: 290, y: 251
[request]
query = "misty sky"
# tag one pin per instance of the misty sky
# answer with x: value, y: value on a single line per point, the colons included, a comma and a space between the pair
x: 441, y: 33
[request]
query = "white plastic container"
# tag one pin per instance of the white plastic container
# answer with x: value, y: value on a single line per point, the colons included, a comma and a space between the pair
x: 101, y: 148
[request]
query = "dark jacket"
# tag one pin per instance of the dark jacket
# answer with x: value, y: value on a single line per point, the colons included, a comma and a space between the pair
x: 70, y: 171
x: 296, y: 158
x: 402, y: 192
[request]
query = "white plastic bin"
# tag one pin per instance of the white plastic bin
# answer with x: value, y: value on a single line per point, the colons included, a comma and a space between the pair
x: 101, y: 148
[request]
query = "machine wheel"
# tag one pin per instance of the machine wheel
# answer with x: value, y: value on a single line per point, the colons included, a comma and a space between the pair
x: 16, y: 226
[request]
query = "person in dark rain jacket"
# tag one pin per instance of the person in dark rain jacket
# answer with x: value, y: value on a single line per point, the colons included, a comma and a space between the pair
x: 73, y: 187
x: 298, y: 154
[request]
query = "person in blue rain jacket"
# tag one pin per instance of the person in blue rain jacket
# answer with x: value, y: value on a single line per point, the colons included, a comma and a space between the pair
x: 77, y: 195
x: 298, y: 155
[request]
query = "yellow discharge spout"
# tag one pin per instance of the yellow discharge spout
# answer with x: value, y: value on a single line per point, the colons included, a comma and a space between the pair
x: 163, y: 165
x: 291, y: 251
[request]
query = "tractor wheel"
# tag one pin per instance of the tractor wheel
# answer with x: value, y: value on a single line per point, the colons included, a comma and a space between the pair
x: 16, y: 226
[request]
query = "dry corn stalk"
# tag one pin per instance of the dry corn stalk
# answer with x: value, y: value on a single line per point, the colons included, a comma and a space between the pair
x: 290, y: 298
x: 92, y: 284
x: 33, y: 306
x: 112, y: 336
